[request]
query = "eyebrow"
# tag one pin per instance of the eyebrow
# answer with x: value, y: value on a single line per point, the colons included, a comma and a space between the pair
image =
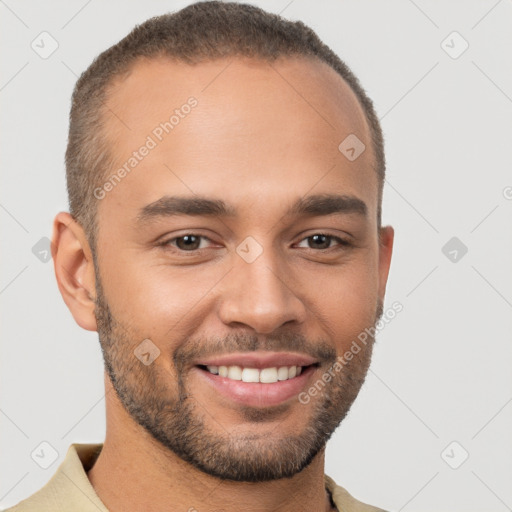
x: 313, y: 205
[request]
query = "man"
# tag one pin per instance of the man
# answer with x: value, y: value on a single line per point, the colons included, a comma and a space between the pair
x: 225, y: 174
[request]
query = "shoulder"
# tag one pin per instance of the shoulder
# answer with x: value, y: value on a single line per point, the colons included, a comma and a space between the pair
x: 34, y: 503
x: 69, y: 488
x: 344, y: 501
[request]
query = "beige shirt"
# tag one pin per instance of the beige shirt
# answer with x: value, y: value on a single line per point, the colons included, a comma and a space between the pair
x: 70, y: 490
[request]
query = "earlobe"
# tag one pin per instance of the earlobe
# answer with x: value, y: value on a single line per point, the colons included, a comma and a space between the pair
x: 74, y: 269
x: 386, y: 239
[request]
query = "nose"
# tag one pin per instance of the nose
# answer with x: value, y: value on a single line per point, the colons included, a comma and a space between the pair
x: 260, y: 295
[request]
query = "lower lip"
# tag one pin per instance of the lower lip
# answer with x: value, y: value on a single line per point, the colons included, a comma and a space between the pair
x: 257, y: 394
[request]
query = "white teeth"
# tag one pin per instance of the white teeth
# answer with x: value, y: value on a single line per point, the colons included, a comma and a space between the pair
x: 268, y: 375
x: 250, y: 375
x: 235, y: 372
x: 282, y: 373
x: 265, y: 375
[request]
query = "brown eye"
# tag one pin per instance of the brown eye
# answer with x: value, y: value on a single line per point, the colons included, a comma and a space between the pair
x: 186, y: 243
x: 322, y: 241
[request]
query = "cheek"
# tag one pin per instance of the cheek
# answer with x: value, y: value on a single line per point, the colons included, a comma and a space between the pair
x: 155, y: 298
x: 347, y: 304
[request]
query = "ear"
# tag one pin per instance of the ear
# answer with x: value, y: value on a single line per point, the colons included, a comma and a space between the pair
x: 74, y: 269
x: 386, y: 238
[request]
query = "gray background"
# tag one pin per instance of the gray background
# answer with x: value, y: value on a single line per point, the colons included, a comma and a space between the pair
x: 441, y: 370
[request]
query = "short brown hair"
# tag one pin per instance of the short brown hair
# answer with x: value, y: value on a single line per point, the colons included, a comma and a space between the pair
x: 200, y: 32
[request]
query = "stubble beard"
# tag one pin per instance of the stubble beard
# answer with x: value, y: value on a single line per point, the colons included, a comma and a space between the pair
x: 166, y: 409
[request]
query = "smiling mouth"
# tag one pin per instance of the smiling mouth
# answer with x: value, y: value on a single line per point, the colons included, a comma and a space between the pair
x: 268, y: 375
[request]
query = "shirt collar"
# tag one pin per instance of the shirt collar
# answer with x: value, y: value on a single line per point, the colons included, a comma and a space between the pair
x: 70, y: 483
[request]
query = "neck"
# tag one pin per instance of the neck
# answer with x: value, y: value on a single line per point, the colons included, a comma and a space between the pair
x: 134, y: 472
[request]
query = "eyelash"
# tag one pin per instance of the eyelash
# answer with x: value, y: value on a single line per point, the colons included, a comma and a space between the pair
x: 341, y: 242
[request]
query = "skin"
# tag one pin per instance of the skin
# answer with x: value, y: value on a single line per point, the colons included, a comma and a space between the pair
x: 261, y: 137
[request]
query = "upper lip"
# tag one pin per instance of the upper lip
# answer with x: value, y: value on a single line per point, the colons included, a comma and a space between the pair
x: 259, y: 359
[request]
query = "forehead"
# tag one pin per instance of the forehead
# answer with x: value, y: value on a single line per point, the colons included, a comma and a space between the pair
x: 274, y: 128
x: 154, y: 87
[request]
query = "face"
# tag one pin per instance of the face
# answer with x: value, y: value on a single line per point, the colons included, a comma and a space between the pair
x: 242, y: 238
